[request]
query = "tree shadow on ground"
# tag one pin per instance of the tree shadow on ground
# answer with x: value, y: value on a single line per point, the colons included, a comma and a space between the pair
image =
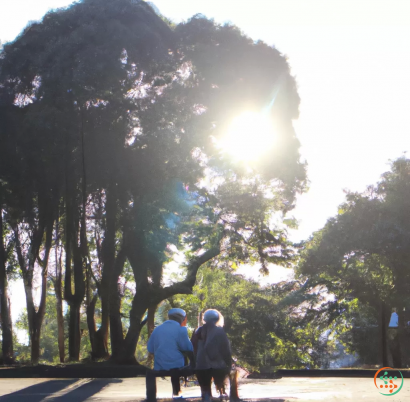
x: 87, y: 390
x: 46, y: 390
x: 37, y: 392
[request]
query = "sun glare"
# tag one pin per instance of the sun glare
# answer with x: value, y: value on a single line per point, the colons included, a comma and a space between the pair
x: 249, y: 137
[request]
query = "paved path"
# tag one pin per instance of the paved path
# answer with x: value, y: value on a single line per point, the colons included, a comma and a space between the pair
x: 127, y: 390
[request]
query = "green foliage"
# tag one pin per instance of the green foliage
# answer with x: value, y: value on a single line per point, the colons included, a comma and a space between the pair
x: 361, y: 256
x: 141, y: 353
x: 49, y: 335
x: 21, y: 350
x: 266, y: 325
x: 363, y: 251
x: 362, y: 334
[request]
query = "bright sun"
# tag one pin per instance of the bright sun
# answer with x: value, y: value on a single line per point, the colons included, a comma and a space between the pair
x: 249, y: 136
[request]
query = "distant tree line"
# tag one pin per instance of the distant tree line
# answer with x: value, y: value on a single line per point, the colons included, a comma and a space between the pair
x: 362, y: 257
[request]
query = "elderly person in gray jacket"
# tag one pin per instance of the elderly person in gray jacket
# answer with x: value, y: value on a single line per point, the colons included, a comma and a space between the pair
x: 212, y: 353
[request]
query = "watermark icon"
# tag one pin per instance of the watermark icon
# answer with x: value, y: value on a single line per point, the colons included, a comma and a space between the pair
x: 388, y: 385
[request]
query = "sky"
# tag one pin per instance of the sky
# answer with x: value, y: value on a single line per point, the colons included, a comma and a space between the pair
x: 351, y: 60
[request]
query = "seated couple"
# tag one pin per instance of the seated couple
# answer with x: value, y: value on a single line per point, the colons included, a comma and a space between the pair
x: 209, y: 344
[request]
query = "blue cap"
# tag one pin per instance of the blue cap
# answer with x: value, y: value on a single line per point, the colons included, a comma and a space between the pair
x: 177, y: 312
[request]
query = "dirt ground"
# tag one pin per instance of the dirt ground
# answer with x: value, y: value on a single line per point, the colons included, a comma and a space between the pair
x: 133, y: 389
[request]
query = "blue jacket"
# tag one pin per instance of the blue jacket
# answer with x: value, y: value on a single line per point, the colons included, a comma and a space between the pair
x: 167, y: 342
x: 394, y: 320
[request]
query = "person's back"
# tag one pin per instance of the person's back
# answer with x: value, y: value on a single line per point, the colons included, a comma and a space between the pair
x: 212, y: 354
x: 393, y: 336
x: 213, y: 350
x: 167, y: 342
x: 394, y: 320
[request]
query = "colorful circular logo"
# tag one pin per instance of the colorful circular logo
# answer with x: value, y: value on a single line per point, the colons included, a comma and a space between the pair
x: 388, y: 385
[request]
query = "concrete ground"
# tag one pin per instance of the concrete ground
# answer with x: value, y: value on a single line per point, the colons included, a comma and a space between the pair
x: 130, y: 389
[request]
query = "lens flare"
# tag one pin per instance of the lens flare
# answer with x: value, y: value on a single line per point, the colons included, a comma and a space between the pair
x: 250, y: 136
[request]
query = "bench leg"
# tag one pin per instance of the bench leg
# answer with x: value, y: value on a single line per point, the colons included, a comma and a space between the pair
x: 151, y: 385
x: 233, y: 393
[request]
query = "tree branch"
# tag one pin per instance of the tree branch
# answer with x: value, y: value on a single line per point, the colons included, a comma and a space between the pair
x: 20, y: 256
x: 185, y: 286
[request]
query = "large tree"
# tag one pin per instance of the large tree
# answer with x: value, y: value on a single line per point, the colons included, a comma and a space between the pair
x: 363, y: 252
x: 127, y: 107
x: 57, y: 84
x: 8, y: 119
x: 29, y: 197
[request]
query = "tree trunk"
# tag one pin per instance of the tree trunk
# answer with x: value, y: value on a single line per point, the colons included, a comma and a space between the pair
x: 35, y: 318
x: 74, y: 268
x: 100, y: 349
x: 115, y: 294
x: 148, y: 295
x: 34, y: 323
x: 151, y: 326
x: 35, y: 349
x: 112, y: 268
x: 43, y: 226
x: 76, y: 251
x: 129, y: 345
x: 383, y: 335
x: 151, y: 318
x: 60, y: 325
x: 35, y: 341
x: 6, y: 323
x: 98, y: 339
x: 101, y: 345
x: 75, y: 302
x: 59, y: 298
x: 74, y: 335
x: 6, y: 326
x: 116, y: 333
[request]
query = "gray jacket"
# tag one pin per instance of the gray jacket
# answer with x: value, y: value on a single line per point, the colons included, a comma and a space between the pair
x: 212, y: 348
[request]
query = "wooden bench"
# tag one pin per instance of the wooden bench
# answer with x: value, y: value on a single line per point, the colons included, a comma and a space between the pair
x: 151, y: 381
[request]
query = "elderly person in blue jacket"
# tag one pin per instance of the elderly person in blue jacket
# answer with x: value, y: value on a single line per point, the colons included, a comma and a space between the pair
x: 169, y: 342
